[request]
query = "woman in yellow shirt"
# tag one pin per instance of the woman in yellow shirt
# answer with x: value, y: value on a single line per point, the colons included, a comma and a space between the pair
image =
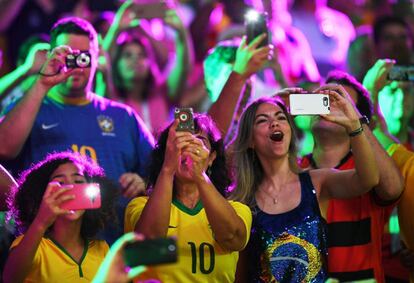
x: 187, y: 181
x: 57, y: 245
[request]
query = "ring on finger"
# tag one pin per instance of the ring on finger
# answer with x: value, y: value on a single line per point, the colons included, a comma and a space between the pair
x: 197, y: 152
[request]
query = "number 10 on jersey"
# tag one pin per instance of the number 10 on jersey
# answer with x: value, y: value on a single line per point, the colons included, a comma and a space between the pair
x: 199, y: 253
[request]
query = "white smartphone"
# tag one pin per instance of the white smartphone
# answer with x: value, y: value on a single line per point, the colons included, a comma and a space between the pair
x: 309, y: 104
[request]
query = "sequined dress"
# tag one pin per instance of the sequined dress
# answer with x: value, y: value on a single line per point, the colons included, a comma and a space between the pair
x: 291, y: 246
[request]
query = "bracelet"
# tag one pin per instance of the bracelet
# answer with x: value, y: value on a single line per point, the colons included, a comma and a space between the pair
x: 356, y: 132
x: 50, y: 75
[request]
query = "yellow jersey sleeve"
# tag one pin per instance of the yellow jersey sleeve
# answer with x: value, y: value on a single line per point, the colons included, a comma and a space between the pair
x: 405, y: 162
x: 133, y: 213
x: 403, y: 158
x: 244, y: 212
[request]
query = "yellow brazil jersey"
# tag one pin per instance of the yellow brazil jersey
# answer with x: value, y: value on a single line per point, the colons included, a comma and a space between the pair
x: 200, y: 257
x: 53, y: 264
x: 405, y: 162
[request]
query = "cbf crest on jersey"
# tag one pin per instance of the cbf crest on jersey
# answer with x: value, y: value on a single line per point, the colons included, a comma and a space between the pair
x: 106, y: 124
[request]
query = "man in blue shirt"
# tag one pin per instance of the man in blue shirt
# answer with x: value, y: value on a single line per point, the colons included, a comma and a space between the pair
x: 60, y: 112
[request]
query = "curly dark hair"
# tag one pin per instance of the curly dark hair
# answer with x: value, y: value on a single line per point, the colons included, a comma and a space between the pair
x: 25, y: 199
x: 219, y: 172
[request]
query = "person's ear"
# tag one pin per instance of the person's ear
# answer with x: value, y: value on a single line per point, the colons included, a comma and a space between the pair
x: 212, y: 157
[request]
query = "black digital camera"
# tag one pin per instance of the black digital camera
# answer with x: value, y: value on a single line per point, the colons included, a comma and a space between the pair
x: 151, y: 252
x: 81, y: 60
x: 401, y: 73
x: 186, y: 117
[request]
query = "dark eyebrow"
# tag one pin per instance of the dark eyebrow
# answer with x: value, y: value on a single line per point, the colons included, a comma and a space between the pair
x: 61, y: 175
x: 265, y: 115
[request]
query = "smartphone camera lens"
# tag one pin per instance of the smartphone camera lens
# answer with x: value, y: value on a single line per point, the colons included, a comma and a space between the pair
x: 325, y: 101
x: 171, y: 248
x: 183, y: 117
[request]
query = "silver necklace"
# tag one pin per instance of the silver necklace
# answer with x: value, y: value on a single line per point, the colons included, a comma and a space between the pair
x: 274, y: 199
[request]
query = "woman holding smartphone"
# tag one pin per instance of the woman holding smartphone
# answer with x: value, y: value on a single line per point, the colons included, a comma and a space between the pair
x: 288, y: 241
x: 57, y: 245
x: 187, y: 183
x: 139, y: 81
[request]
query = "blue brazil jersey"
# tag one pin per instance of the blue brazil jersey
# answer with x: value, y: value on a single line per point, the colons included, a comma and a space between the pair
x: 107, y: 131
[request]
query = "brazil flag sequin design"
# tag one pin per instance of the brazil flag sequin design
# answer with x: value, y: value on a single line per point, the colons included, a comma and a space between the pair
x: 289, y: 247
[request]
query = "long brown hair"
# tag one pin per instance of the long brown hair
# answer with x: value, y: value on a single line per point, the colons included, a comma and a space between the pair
x: 248, y: 169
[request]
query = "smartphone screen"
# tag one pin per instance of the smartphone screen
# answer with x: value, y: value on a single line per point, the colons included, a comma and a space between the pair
x: 256, y: 24
x: 87, y: 196
x: 149, y: 10
x: 151, y: 252
x: 309, y: 104
x: 186, y: 117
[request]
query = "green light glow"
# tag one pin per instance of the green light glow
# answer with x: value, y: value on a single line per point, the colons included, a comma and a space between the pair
x: 306, y: 143
x: 391, y: 102
x: 100, y: 86
x: 394, y: 224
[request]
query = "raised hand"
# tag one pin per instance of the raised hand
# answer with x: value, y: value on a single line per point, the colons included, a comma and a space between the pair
x: 249, y: 59
x: 49, y: 208
x: 343, y: 110
x: 132, y: 185
x: 113, y: 268
x: 196, y: 158
x: 284, y: 94
x: 37, y: 57
x: 54, y: 70
x: 125, y: 17
x: 176, y: 141
x: 376, y: 78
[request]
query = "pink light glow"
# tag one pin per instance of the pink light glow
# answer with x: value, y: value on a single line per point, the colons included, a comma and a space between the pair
x: 157, y: 29
x: 216, y: 15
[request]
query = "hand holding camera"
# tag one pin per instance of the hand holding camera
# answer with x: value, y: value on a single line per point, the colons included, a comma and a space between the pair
x: 150, y: 10
x: 254, y: 49
x: 256, y: 24
x: 54, y: 70
x: 176, y: 141
x: 196, y: 156
x: 377, y: 77
x: 342, y: 109
x: 37, y: 57
x: 114, y: 267
x: 50, y: 207
x: 286, y: 92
